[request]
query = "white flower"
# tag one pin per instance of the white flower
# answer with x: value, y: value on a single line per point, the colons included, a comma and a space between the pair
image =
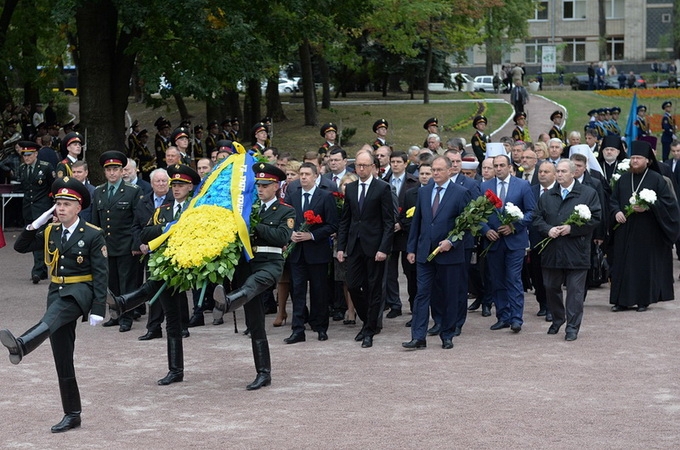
x: 633, y: 199
x: 583, y: 211
x: 623, y: 166
x: 616, y: 176
x: 596, y: 154
x: 513, y: 211
x: 648, y: 196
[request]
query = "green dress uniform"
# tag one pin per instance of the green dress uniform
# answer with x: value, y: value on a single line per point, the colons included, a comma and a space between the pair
x: 64, y: 168
x: 478, y: 142
x: 36, y: 183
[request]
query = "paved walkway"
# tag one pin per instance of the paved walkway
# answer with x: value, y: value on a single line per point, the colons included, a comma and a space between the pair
x: 538, y: 112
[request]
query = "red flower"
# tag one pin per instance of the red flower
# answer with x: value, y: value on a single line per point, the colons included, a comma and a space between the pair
x: 493, y: 198
x: 311, y: 218
x: 338, y: 195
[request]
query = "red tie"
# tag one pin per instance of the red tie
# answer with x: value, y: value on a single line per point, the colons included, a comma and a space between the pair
x: 435, y: 203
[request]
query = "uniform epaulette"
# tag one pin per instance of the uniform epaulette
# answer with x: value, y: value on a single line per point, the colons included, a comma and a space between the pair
x: 92, y: 226
x: 134, y: 186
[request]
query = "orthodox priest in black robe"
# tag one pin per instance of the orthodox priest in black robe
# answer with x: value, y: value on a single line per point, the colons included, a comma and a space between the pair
x: 642, y: 263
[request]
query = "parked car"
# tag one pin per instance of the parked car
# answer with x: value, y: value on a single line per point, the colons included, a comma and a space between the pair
x: 580, y: 82
x: 667, y: 84
x: 484, y: 83
x: 468, y: 81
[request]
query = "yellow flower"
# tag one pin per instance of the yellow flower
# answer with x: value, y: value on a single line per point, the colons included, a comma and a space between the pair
x: 200, y: 235
x: 410, y: 212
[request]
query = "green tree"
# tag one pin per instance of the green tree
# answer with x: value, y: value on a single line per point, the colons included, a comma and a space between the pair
x: 502, y: 25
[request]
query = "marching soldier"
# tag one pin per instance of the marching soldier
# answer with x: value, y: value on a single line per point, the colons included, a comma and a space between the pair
x: 263, y: 271
x: 72, y: 144
x: 479, y: 139
x: 556, y: 131
x: 36, y: 178
x: 78, y: 269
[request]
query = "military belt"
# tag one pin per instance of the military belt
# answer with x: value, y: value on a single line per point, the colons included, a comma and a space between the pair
x: 71, y: 280
x: 265, y: 249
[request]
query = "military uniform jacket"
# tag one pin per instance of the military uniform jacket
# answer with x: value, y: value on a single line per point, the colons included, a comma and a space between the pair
x: 37, y: 188
x: 64, y: 168
x: 84, y: 253
x: 557, y: 133
x: 478, y: 142
x: 210, y: 144
x: 521, y: 134
x: 668, y: 125
x: 642, y: 126
x: 163, y: 215
x: 160, y: 145
x: 133, y: 143
x: 323, y: 150
x: 196, y: 149
x: 274, y: 230
x: 116, y: 216
x: 378, y: 143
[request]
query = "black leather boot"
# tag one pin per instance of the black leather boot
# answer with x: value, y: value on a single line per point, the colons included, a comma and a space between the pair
x: 70, y: 400
x: 229, y: 302
x: 175, y: 362
x: 26, y: 343
x: 263, y: 365
x: 126, y: 302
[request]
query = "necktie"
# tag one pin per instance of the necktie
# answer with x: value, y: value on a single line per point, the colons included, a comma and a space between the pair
x: 526, y: 176
x: 435, y: 202
x: 544, y: 190
x: 396, y: 182
x: 30, y: 172
x: 179, y: 211
x: 335, y: 179
x: 362, y: 196
x: 263, y: 209
x: 64, y: 236
x: 111, y: 189
x: 503, y: 191
x: 305, y: 204
x: 158, y: 201
x: 564, y: 193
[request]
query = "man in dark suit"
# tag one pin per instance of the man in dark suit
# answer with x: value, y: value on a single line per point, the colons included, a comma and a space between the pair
x: 311, y: 254
x: 114, y: 206
x: 506, y: 255
x: 80, y: 172
x: 401, y: 182
x: 365, y: 239
x: 337, y: 162
x: 79, y: 271
x: 130, y: 176
x: 437, y: 207
x: 529, y: 167
x: 161, y: 195
x: 36, y: 179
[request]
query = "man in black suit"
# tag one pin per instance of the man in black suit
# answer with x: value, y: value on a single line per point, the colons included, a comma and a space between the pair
x: 674, y: 166
x: 311, y: 254
x: 80, y: 172
x: 529, y: 167
x: 401, y: 183
x: 337, y: 162
x: 365, y: 239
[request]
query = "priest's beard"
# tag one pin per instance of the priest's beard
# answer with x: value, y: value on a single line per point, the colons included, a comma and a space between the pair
x: 638, y: 170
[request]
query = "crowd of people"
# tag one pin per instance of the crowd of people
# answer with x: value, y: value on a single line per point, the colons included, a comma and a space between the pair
x: 333, y: 231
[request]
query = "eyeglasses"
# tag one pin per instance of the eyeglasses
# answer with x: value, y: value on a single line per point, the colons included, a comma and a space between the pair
x: 363, y: 166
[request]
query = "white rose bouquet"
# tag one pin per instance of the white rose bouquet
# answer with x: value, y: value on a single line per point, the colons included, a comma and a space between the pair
x: 580, y: 216
x: 644, y: 199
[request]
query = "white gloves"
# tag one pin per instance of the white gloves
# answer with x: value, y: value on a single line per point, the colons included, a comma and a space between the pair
x: 43, y: 219
x: 95, y: 320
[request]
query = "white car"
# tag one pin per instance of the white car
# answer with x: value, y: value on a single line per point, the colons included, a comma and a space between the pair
x: 286, y: 86
x: 484, y: 83
x: 468, y: 80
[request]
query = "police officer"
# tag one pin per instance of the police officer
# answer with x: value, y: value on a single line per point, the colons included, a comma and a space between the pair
x: 79, y: 271
x: 263, y: 271
x: 36, y: 178
x: 113, y: 210
x: 72, y: 144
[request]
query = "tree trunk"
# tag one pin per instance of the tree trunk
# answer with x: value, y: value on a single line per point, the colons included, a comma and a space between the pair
x: 602, y: 28
x: 308, y: 89
x: 273, y: 100
x: 213, y: 111
x: 5, y: 20
x: 105, y: 71
x: 428, y: 69
x: 252, y: 112
x: 181, y: 107
x: 325, y: 82
x: 234, y: 104
x: 30, y: 61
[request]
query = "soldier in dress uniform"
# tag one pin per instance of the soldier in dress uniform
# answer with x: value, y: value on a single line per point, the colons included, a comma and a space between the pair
x: 132, y: 140
x: 79, y: 271
x: 520, y: 133
x: 556, y: 130
x: 162, y: 140
x: 235, y: 130
x: 145, y: 160
x: 196, y: 145
x: 616, y: 128
x: 479, y: 139
x: 36, y: 178
x: 668, y: 127
x: 380, y: 129
x: 53, y: 131
x: 213, y: 137
x: 432, y: 127
x: 253, y: 278
x: 180, y: 139
x: 225, y: 132
x: 113, y: 210
x: 641, y: 121
x: 259, y: 135
x: 73, y: 145
x: 328, y: 131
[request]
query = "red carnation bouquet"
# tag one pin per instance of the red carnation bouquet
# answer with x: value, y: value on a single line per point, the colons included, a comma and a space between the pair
x: 310, y: 220
x: 339, y: 198
x: 472, y: 217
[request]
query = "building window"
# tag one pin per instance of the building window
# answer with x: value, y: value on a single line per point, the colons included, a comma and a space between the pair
x: 614, y: 9
x: 533, y: 50
x: 665, y: 18
x: 574, y: 9
x: 615, y: 49
x: 541, y: 11
x: 574, y: 50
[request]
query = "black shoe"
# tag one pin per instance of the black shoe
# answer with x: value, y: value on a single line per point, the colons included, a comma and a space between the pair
x: 35, y: 279
x: 197, y: 320
x: 516, y: 328
x: 323, y: 336
x: 110, y: 323
x: 554, y: 329
x: 338, y: 316
x: 295, y: 338
x: 447, y: 344
x: 185, y: 333
x: 499, y: 325
x: 475, y: 305
x: 394, y: 313
x: 541, y: 312
x: 151, y: 335
x: 617, y: 308
x: 349, y: 322
x: 367, y: 342
x: 219, y: 321
x: 414, y: 344
x: 641, y: 309
x: 408, y: 324
x: 548, y: 316
x: 261, y: 380
x: 570, y: 336
x: 486, y: 311
x: 435, y: 330
x: 136, y: 315
x: 457, y: 331
x: 360, y: 336
x: 125, y: 327
x: 69, y: 422
x: 171, y: 377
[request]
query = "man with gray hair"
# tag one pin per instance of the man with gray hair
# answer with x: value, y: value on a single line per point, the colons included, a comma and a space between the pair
x: 434, y: 143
